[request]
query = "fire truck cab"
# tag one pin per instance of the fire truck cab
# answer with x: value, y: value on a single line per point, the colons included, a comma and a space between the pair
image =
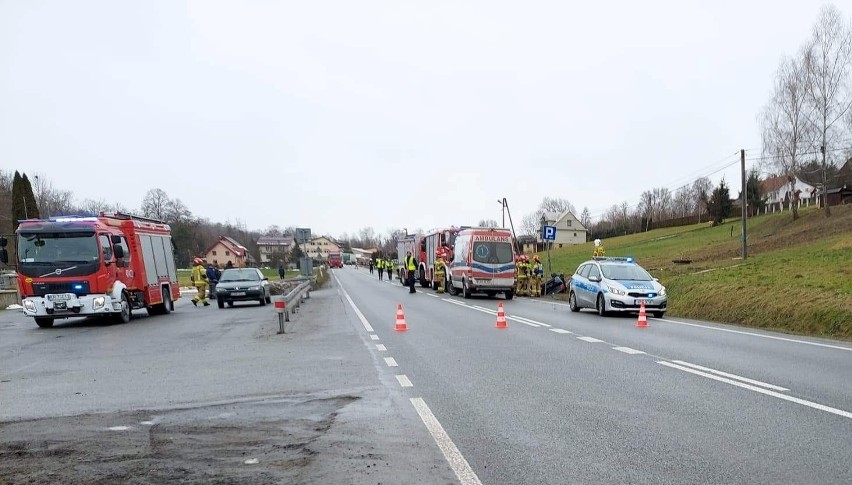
x: 107, y: 266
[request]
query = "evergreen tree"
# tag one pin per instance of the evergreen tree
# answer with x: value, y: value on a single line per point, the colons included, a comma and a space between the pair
x: 29, y: 197
x: 18, y: 200
x: 719, y: 206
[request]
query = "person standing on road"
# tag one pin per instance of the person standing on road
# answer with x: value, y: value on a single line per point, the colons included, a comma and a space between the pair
x: 281, y: 271
x: 380, y: 265
x: 199, y: 279
x: 371, y: 266
x: 213, y: 279
x: 537, y: 273
x: 389, y: 266
x: 410, y: 267
x: 439, y: 270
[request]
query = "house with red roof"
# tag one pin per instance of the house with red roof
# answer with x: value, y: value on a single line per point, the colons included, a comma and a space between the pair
x: 226, y: 250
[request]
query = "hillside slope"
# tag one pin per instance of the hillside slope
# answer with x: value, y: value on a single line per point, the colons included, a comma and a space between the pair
x: 797, y: 278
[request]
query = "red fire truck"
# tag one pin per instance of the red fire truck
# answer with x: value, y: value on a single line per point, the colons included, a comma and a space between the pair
x: 107, y: 266
x: 424, y: 247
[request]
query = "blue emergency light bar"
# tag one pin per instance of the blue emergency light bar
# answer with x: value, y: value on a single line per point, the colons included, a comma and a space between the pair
x: 614, y: 258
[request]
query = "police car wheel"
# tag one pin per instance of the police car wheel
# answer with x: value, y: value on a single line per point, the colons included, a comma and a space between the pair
x: 44, y: 322
x: 601, y: 305
x: 572, y: 302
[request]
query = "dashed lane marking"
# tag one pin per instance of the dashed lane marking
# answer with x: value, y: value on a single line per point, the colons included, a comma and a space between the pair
x: 732, y: 376
x: 381, y: 348
x: 560, y: 330
x: 404, y: 381
x: 391, y: 362
x: 591, y: 340
x: 628, y: 350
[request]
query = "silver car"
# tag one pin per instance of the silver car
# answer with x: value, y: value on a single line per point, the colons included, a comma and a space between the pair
x: 615, y: 285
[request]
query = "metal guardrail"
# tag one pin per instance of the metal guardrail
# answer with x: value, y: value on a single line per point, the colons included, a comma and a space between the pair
x: 286, y: 304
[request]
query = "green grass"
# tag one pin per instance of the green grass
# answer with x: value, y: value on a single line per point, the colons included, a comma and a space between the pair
x: 797, y: 278
x: 272, y: 274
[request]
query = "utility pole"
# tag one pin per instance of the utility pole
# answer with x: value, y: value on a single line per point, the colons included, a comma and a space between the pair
x: 503, y: 205
x: 826, y: 209
x: 744, y: 202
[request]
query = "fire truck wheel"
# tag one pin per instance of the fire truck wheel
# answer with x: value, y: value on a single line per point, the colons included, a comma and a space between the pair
x: 167, y: 302
x: 44, y: 322
x: 124, y: 315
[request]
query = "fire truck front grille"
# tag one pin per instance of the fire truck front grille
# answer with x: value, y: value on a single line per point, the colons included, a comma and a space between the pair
x: 78, y: 287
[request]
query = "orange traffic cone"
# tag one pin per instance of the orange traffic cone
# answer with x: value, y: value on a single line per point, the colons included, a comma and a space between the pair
x: 501, y: 317
x: 401, y: 326
x: 643, y: 319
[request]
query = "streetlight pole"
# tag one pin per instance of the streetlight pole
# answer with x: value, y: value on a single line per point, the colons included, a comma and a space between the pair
x: 503, y: 207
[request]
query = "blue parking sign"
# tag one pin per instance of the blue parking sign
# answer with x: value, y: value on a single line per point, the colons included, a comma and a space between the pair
x: 548, y: 233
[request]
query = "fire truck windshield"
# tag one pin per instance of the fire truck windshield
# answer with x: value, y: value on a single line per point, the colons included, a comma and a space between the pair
x: 41, y: 253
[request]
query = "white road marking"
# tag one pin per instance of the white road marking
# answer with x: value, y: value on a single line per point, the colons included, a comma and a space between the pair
x: 628, y: 350
x: 391, y: 362
x: 590, y: 339
x: 119, y: 428
x: 354, y: 307
x: 732, y: 376
x: 381, y: 347
x: 531, y: 320
x: 374, y: 336
x: 253, y: 461
x: 521, y: 321
x: 404, y: 381
x: 785, y: 397
x: 545, y: 302
x: 19, y: 369
x: 493, y: 312
x: 454, y: 301
x: 560, y: 330
x: 433, y: 296
x: 147, y: 423
x: 454, y: 457
x: 838, y: 347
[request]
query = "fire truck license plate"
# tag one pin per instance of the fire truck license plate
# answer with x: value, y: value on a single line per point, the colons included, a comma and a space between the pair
x: 60, y: 297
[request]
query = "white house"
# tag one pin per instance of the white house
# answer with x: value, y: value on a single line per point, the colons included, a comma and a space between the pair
x: 569, y: 230
x: 776, y: 191
x: 319, y: 247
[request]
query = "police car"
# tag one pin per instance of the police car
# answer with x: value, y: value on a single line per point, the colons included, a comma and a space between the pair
x: 615, y: 285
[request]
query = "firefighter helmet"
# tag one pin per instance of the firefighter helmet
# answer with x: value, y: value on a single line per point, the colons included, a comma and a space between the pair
x: 597, y: 242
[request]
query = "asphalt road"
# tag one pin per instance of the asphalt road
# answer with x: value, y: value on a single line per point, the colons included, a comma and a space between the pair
x: 560, y: 397
x: 207, y: 396
x: 216, y: 396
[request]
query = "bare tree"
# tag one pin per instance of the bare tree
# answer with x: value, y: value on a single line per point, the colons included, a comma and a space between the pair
x: 488, y: 223
x: 701, y: 191
x: 683, y: 202
x: 662, y: 203
x: 586, y: 218
x: 786, y: 130
x: 156, y: 204
x: 530, y: 224
x: 92, y: 206
x: 827, y: 64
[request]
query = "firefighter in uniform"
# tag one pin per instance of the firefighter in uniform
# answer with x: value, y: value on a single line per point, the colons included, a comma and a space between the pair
x: 537, y: 272
x: 389, y: 268
x: 599, y: 249
x: 380, y: 265
x: 199, y: 279
x: 440, y: 267
x: 523, y: 285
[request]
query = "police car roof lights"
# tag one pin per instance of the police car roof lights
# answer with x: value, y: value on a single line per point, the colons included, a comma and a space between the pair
x: 614, y: 258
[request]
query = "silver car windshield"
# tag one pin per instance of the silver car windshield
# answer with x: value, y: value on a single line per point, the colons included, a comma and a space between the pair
x: 239, y: 275
x: 625, y: 272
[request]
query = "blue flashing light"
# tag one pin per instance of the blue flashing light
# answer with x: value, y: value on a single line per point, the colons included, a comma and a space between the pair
x: 629, y: 260
x: 78, y: 286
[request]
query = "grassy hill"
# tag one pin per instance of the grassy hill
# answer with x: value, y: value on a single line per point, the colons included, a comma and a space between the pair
x: 797, y: 278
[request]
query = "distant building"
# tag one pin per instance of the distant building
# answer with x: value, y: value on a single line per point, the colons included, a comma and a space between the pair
x: 319, y: 247
x: 226, y: 250
x: 569, y: 229
x: 778, y: 196
x: 269, y: 245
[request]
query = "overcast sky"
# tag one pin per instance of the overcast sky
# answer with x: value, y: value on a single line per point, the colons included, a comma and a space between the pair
x: 340, y: 115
